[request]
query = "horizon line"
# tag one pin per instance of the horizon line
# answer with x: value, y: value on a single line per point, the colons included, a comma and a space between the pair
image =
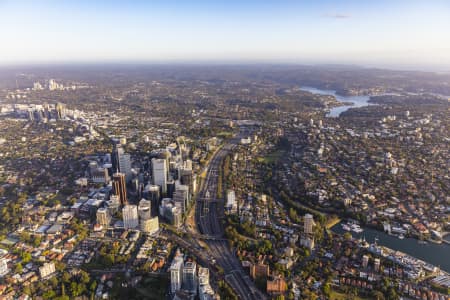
x: 438, y: 68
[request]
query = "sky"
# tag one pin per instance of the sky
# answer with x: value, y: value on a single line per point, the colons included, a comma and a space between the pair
x: 382, y: 32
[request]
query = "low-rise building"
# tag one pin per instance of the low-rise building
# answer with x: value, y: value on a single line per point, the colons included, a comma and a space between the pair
x: 47, y: 269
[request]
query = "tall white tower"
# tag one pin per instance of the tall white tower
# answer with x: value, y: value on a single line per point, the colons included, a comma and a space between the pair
x: 159, y: 172
x: 308, y: 223
x: 130, y: 216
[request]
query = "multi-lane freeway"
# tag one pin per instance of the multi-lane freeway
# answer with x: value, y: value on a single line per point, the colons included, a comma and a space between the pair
x: 209, y: 216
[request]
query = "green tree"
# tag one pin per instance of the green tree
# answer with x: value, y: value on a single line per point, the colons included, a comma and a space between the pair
x: 49, y: 294
x: 66, y: 277
x: 26, y: 257
x: 348, y: 236
x: 377, y: 295
x: 18, y: 269
x: 93, y: 286
x: 37, y: 241
x: 84, y: 277
x: 326, y: 289
x: 25, y: 237
x: 63, y: 289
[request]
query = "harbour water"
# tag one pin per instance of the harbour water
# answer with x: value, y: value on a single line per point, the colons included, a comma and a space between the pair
x: 436, y: 254
x: 358, y: 101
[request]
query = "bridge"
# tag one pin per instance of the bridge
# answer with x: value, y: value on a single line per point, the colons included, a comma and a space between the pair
x: 210, y: 237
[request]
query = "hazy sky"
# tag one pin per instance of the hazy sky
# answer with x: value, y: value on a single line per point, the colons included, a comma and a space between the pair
x: 383, y: 32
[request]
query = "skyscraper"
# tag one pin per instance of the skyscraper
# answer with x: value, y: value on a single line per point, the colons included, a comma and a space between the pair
x: 60, y: 110
x: 365, y: 261
x: 130, y: 216
x: 190, y: 277
x: 186, y: 174
x: 151, y: 193
x: 145, y: 209
x: 203, y: 276
x: 159, y: 173
x: 52, y: 85
x: 177, y: 216
x: 121, y: 161
x: 103, y: 217
x: 308, y: 224
x: 120, y: 188
x: 181, y: 197
x: 176, y: 272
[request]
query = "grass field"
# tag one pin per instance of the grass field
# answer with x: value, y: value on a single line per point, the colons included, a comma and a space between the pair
x: 152, y: 288
x: 272, y: 157
x: 341, y: 296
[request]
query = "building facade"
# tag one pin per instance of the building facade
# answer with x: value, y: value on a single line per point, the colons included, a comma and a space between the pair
x: 130, y: 216
x: 47, y: 269
x: 145, y: 209
x: 103, y: 217
x: 120, y: 188
x: 190, y: 277
x: 308, y: 226
x: 176, y: 272
x: 150, y: 226
x: 159, y: 173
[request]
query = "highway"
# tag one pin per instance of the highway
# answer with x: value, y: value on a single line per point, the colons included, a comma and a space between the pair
x: 209, y: 214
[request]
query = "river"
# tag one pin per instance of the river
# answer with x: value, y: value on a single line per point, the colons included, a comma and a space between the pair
x: 436, y: 254
x: 358, y: 101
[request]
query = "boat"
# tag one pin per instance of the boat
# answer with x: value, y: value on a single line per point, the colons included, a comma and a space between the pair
x: 422, y: 242
x: 356, y: 228
x: 401, y: 236
x: 346, y: 227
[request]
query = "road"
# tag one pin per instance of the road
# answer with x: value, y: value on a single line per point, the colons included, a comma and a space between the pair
x: 209, y: 214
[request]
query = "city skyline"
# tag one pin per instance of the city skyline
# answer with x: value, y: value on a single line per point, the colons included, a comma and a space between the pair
x: 396, y: 34
x: 212, y: 149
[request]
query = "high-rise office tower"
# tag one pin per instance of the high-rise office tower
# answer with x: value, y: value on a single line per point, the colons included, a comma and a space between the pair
x: 365, y: 261
x: 130, y: 216
x: 125, y: 165
x: 176, y: 217
x: 170, y: 188
x: 60, y: 110
x: 121, y: 161
x: 145, y: 209
x: 159, y: 173
x: 37, y: 86
x: 52, y: 85
x: 152, y: 193
x: 190, y: 277
x: 308, y: 224
x: 203, y: 276
x: 30, y: 115
x: 182, y: 197
x: 103, y: 217
x: 186, y: 174
x: 120, y: 188
x: 176, y: 272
